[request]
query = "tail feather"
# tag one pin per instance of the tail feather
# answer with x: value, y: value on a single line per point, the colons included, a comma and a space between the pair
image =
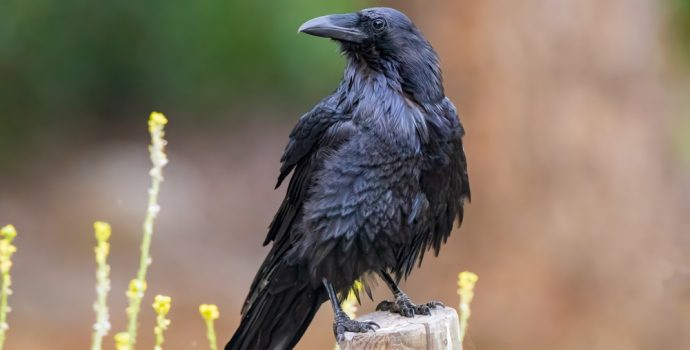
x: 282, y: 310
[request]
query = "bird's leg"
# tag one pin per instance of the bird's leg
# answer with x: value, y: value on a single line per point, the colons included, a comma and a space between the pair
x: 402, y: 304
x: 342, y: 322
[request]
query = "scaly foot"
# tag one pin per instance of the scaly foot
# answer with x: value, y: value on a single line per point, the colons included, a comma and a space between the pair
x: 404, y: 306
x: 343, y: 324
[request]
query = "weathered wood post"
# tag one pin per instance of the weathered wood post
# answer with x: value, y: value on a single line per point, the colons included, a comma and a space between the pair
x: 440, y: 331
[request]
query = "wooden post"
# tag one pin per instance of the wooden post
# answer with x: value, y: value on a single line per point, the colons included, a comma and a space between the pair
x: 440, y: 331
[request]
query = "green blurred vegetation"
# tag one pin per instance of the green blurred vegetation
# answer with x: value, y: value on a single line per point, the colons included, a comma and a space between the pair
x: 69, y: 66
x: 679, y: 11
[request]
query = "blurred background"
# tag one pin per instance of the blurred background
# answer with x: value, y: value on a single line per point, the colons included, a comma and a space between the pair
x: 578, y: 140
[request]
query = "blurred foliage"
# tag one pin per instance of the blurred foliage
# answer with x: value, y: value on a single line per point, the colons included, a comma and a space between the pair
x: 72, y: 65
x: 679, y: 11
x: 68, y: 67
x: 679, y: 15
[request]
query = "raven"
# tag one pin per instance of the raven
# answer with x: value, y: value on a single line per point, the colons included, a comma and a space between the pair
x: 378, y: 177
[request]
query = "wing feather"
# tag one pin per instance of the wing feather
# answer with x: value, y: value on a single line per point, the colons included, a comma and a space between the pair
x: 312, y: 139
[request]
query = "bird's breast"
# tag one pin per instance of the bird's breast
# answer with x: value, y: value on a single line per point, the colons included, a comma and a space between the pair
x: 392, y: 120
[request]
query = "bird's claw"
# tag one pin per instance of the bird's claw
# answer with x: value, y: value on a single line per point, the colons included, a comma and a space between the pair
x: 404, y: 306
x: 343, y: 324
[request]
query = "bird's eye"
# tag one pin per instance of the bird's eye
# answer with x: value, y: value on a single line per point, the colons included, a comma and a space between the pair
x: 378, y: 24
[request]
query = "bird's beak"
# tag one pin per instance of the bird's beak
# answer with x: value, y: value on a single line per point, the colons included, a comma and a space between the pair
x: 340, y: 27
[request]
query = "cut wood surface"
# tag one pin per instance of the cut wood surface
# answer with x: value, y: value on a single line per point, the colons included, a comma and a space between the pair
x: 435, y: 332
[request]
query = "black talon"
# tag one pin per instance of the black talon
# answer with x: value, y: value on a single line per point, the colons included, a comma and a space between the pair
x: 434, y: 304
x: 384, y: 305
x: 373, y: 324
x: 402, y: 304
x: 423, y: 309
x: 405, y: 307
x: 343, y: 324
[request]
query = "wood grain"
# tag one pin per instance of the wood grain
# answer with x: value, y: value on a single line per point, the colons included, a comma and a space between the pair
x: 435, y: 332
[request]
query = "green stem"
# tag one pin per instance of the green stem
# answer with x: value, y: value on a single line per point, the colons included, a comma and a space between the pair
x: 144, y: 261
x: 6, y: 250
x: 211, y: 334
x: 160, y: 327
x: 102, y: 325
x: 4, y: 292
x: 138, y: 286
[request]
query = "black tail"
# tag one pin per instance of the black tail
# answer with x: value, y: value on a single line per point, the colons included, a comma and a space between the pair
x: 279, y: 309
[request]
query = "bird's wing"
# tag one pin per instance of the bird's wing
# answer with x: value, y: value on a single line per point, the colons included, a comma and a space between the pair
x: 316, y: 134
x: 358, y: 211
x: 444, y: 179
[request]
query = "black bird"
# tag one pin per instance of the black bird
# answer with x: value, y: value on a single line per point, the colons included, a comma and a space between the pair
x: 378, y: 177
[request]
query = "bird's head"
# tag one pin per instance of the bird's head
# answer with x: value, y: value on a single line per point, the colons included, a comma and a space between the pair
x: 385, y: 39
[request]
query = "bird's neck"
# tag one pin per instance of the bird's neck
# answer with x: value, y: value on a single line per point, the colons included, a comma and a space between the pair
x: 417, y: 74
x: 379, y: 101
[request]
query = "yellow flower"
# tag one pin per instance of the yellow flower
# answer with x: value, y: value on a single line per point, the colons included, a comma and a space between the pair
x: 161, y: 304
x: 122, y: 341
x: 209, y: 312
x: 356, y: 288
x: 466, y: 282
x: 6, y: 251
x: 349, y: 305
x: 136, y: 288
x: 157, y: 119
x: 8, y: 232
x: 102, y: 230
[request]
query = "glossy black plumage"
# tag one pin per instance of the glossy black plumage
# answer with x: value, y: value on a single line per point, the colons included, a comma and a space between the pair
x: 378, y: 177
